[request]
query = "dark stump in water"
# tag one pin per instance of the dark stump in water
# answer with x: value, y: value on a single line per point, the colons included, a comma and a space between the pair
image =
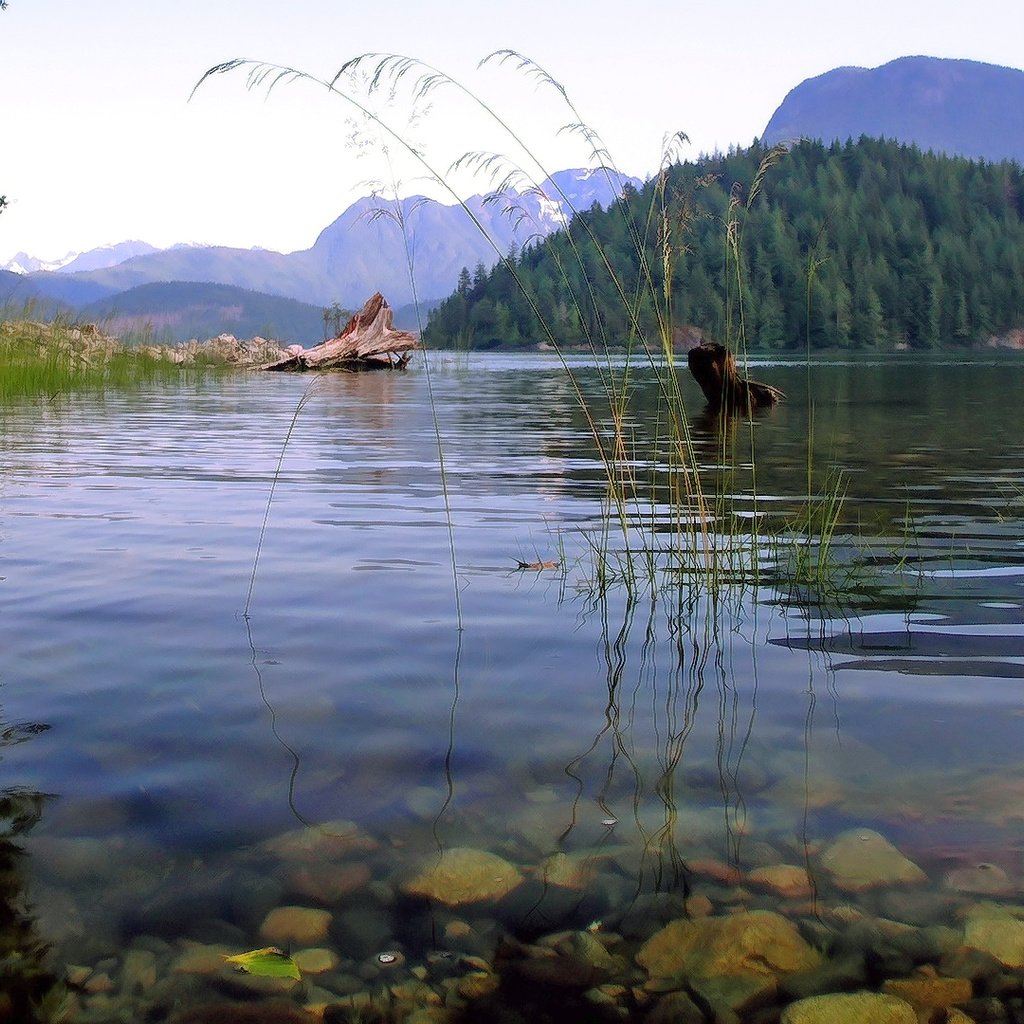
x: 714, y: 368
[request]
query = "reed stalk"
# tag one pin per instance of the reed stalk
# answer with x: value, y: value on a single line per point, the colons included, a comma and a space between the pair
x: 710, y: 541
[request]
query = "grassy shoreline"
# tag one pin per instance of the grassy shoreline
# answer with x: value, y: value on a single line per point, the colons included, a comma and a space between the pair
x: 50, y: 358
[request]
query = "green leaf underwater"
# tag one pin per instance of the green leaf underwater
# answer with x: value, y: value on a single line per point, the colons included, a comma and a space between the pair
x: 266, y: 963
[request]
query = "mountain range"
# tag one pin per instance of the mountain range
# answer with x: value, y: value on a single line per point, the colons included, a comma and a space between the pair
x: 368, y: 248
x: 957, y: 107
x: 94, y: 259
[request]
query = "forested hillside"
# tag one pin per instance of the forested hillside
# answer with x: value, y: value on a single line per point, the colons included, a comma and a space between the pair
x: 862, y: 245
x: 180, y: 310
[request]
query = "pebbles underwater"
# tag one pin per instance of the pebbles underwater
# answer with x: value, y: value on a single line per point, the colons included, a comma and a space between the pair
x: 848, y: 930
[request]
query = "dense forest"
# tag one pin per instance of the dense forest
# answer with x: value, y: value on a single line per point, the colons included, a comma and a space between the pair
x: 863, y: 245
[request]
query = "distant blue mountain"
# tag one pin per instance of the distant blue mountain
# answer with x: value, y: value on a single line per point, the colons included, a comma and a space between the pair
x: 108, y: 256
x: 15, y: 288
x: 957, y: 107
x: 364, y: 250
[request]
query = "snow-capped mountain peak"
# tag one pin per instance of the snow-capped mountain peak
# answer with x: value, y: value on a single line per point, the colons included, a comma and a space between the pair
x: 100, y: 258
x: 22, y: 263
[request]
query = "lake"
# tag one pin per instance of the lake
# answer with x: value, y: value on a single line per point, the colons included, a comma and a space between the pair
x: 273, y: 674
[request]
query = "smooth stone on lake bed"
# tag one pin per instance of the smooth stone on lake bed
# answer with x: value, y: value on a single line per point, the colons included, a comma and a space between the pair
x: 465, y: 875
x: 863, y: 859
x: 565, y: 960
x: 740, y: 993
x: 197, y: 958
x: 675, y: 1008
x: 997, y: 930
x: 569, y: 870
x: 980, y: 879
x: 328, y: 882
x: 316, y: 960
x: 333, y: 840
x: 786, y: 880
x: 138, y: 972
x: 930, y: 993
x: 754, y: 943
x: 852, y: 1008
x: 304, y: 926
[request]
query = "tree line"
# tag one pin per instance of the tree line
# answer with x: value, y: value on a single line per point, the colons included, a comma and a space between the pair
x: 857, y: 245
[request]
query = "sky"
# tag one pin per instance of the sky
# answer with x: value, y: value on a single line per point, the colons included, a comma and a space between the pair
x: 103, y: 139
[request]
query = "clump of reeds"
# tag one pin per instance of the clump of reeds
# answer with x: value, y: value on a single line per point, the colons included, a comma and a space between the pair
x: 57, y: 357
x: 668, y: 516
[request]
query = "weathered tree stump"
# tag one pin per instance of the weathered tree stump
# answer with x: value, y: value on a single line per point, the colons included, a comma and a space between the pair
x: 714, y: 368
x: 368, y: 342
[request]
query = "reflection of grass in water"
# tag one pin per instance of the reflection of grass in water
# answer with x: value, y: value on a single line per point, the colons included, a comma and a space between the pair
x: 662, y: 657
x: 1009, y: 501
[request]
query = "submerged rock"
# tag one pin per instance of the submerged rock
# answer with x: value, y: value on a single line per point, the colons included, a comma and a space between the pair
x: 714, y: 869
x: 755, y: 943
x: 569, y: 871
x: 845, y: 973
x: 327, y: 882
x: 675, y: 1008
x: 477, y: 985
x: 733, y: 993
x: 465, y: 875
x: 786, y: 880
x: 854, y: 1008
x: 333, y: 840
x: 316, y: 960
x: 931, y: 993
x: 290, y: 926
x: 276, y: 1012
x: 996, y: 930
x: 197, y: 958
x: 565, y: 960
x: 862, y: 859
x: 981, y: 879
x: 138, y: 972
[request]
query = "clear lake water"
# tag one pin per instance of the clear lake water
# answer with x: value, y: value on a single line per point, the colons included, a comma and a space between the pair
x: 399, y: 680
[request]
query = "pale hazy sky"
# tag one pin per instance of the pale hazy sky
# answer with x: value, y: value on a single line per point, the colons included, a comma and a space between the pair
x: 101, y: 144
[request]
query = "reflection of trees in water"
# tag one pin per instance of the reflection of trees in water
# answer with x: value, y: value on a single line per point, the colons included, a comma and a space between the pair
x: 28, y: 992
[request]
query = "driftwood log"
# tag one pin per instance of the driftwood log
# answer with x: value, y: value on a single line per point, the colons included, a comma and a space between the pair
x: 368, y: 342
x: 714, y: 368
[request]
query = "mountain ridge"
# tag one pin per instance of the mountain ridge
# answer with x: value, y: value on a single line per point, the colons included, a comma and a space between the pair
x: 364, y: 250
x: 945, y: 105
x: 182, y: 310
